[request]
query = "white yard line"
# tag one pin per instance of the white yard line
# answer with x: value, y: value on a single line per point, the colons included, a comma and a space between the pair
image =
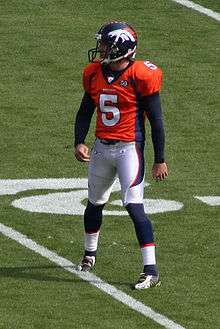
x: 201, y: 9
x: 89, y: 277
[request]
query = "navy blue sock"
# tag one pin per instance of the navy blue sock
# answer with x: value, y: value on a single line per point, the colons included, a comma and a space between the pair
x: 150, y: 269
x: 93, y: 217
x: 90, y: 253
x: 92, y: 222
x: 141, y: 222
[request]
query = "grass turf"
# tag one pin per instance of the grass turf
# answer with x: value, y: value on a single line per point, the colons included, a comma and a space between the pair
x: 44, y: 48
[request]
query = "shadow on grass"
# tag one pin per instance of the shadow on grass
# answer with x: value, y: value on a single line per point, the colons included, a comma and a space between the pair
x: 39, y: 273
x: 33, y: 273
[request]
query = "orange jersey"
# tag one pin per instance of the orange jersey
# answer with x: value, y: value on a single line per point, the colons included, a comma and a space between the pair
x: 119, y: 112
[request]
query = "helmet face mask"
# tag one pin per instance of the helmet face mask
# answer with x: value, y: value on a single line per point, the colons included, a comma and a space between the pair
x: 115, y: 41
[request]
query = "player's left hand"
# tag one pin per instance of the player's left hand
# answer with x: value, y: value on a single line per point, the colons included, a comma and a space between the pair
x: 159, y: 171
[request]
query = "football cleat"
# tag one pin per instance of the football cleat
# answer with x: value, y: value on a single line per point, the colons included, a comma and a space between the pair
x: 87, y: 263
x: 147, y: 281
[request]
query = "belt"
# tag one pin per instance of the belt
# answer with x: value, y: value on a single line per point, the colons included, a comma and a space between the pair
x: 109, y: 141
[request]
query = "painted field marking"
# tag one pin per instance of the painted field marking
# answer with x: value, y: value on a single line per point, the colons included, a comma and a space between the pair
x: 90, y: 278
x: 71, y: 203
x: 210, y: 200
x: 201, y: 9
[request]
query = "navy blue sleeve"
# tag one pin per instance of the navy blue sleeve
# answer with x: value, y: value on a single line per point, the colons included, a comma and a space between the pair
x: 83, y: 119
x: 152, y: 106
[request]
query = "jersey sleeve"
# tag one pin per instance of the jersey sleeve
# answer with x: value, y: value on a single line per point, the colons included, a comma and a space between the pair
x: 149, y: 78
x: 88, y: 74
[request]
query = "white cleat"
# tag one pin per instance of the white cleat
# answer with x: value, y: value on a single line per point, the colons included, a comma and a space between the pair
x: 147, y: 281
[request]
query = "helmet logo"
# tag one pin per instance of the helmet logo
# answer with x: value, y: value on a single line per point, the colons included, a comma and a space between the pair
x: 124, y: 35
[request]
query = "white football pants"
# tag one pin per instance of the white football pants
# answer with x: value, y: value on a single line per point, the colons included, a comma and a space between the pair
x: 109, y: 161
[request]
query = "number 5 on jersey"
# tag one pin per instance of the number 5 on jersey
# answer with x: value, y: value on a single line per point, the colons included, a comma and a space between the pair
x: 110, y: 113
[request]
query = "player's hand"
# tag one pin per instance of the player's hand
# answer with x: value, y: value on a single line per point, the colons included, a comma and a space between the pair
x: 82, y: 153
x: 159, y: 171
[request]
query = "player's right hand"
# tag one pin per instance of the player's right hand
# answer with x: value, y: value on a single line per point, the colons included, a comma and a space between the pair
x: 82, y: 153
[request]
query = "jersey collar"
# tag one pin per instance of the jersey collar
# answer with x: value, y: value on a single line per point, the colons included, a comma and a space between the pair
x: 111, y: 76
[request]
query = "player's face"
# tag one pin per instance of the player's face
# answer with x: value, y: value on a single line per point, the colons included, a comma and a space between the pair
x: 102, y: 48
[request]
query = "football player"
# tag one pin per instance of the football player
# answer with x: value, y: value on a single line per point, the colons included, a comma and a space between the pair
x: 124, y: 92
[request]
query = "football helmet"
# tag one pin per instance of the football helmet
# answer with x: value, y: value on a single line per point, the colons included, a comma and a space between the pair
x: 118, y: 39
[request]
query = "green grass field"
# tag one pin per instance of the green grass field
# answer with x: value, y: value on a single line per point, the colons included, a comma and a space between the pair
x: 43, y: 51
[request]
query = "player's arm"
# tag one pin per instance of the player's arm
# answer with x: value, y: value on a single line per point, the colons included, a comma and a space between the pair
x: 81, y: 128
x: 152, y: 106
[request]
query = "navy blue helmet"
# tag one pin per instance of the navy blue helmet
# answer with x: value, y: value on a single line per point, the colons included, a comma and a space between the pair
x: 120, y: 41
